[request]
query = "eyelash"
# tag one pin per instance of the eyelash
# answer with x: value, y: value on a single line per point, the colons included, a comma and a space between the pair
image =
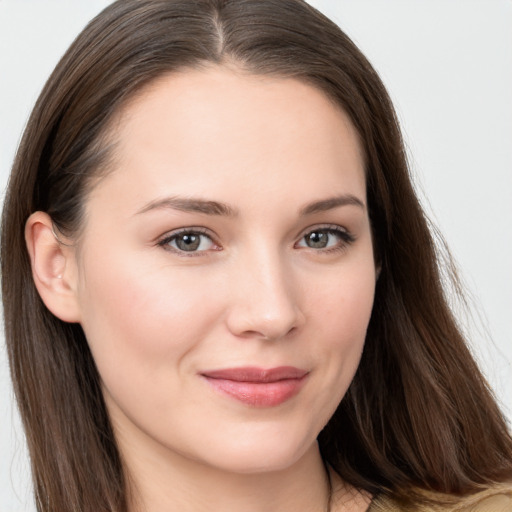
x: 345, y: 237
x: 168, y: 239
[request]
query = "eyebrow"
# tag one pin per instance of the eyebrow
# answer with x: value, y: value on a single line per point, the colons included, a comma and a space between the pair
x: 331, y: 203
x: 190, y: 204
x: 207, y: 207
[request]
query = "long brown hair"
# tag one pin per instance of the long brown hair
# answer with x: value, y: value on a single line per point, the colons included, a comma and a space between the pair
x: 418, y: 415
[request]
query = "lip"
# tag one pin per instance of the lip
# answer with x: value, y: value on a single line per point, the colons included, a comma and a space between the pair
x: 258, y: 387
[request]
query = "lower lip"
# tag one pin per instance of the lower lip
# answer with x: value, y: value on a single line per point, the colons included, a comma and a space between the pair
x: 258, y: 394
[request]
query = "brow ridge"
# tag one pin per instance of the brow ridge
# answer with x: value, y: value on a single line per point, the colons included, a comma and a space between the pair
x: 209, y: 207
x: 331, y: 203
x: 190, y: 204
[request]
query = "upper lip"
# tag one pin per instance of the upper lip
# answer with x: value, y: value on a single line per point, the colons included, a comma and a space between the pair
x: 255, y: 374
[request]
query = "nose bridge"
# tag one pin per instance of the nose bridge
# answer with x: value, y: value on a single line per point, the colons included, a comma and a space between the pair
x: 265, y: 302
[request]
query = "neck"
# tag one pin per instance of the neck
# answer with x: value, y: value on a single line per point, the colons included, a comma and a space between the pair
x: 176, y: 483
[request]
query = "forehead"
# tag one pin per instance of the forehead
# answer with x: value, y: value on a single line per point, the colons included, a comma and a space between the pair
x: 196, y: 131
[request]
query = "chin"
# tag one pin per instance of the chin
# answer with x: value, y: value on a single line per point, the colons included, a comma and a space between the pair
x: 256, y: 454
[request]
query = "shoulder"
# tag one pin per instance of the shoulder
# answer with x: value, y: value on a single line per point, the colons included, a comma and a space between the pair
x: 495, y: 499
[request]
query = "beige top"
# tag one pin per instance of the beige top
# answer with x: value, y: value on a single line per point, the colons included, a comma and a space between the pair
x: 496, y: 499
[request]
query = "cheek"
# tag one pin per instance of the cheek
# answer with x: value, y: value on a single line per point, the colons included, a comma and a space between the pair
x: 350, y: 308
x: 343, y: 302
x: 342, y: 313
x: 137, y: 321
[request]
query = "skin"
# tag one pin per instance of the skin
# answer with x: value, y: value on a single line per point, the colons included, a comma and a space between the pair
x: 254, y: 293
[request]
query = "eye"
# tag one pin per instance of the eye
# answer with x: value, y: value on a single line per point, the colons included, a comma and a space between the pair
x: 326, y: 238
x: 190, y: 241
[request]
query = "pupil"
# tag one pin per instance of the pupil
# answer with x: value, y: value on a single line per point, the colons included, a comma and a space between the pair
x: 317, y: 239
x: 188, y: 242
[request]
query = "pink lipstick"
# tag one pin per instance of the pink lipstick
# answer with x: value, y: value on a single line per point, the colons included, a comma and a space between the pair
x: 257, y: 386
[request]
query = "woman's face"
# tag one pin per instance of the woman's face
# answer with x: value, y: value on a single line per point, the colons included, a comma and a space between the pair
x: 226, y: 272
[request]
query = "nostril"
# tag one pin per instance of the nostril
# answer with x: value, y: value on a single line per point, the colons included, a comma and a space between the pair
x: 254, y: 322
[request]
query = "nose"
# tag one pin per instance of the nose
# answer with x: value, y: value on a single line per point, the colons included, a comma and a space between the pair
x: 265, y: 301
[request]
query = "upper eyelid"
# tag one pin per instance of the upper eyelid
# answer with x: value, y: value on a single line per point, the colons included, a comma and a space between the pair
x: 179, y: 231
x: 167, y: 237
x: 332, y: 227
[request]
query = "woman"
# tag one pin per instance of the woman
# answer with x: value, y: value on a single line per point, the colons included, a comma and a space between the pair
x: 231, y: 298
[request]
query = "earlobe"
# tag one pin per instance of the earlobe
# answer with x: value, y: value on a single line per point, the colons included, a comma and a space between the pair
x: 53, y: 267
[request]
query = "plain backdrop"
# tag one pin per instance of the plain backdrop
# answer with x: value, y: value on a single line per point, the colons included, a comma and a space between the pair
x: 448, y: 67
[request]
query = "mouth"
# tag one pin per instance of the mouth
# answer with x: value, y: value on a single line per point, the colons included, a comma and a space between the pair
x: 258, y: 387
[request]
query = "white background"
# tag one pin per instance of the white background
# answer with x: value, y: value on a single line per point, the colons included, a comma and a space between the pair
x: 448, y: 67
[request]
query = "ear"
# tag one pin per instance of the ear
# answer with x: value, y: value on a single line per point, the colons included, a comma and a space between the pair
x: 54, y: 267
